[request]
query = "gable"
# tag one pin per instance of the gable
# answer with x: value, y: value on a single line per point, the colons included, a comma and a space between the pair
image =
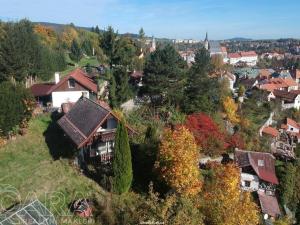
x: 64, y: 86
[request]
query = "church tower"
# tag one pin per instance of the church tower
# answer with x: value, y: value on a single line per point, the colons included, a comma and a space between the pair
x: 153, y: 45
x: 206, y: 43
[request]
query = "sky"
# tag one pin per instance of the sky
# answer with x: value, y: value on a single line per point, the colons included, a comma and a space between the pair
x: 176, y: 19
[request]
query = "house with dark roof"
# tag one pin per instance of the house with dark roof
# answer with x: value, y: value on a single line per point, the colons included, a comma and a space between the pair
x: 257, y: 170
x: 68, y: 89
x: 289, y: 99
x: 91, y: 128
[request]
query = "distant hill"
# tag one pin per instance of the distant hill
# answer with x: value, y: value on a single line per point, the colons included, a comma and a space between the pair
x: 59, y: 27
x: 239, y: 39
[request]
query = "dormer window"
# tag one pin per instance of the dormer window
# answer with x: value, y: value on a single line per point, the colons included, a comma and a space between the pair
x: 261, y: 162
x: 71, y: 83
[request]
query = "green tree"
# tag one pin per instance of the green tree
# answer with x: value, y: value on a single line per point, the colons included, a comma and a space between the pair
x: 112, y: 92
x: 122, y: 165
x: 123, y: 91
x: 87, y: 47
x: 108, y: 43
x: 76, y: 53
x: 202, y: 93
x: 289, y: 185
x: 15, y: 106
x: 97, y: 30
x: 124, y: 53
x: 164, y: 76
x: 19, y: 50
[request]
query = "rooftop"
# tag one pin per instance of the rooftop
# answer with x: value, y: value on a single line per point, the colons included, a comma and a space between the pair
x: 266, y: 171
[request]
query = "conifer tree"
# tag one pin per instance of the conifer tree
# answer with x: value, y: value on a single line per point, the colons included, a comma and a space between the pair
x: 202, y: 92
x: 122, y: 165
x: 76, y: 52
x: 112, y: 92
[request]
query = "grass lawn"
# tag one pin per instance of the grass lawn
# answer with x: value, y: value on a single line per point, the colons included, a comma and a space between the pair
x: 28, y: 169
x: 91, y: 60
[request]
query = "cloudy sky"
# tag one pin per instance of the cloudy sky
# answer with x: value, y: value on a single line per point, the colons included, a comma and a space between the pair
x: 165, y: 18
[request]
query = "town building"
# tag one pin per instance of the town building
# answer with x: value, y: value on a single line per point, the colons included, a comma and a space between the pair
x: 289, y: 99
x: 250, y: 58
x: 91, y: 127
x: 257, y: 170
x: 68, y: 89
x: 282, y: 84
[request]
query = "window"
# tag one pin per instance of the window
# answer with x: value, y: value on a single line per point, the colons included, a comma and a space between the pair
x: 247, y: 183
x: 292, y: 128
x: 71, y: 83
x: 261, y: 162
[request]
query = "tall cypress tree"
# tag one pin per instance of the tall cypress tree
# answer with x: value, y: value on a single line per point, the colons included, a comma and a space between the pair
x: 122, y: 165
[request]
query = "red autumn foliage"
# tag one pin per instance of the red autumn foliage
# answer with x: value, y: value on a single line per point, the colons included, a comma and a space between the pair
x: 236, y: 141
x: 207, y: 133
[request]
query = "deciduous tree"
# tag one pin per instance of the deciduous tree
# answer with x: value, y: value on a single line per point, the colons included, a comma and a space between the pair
x: 207, y: 134
x: 177, y: 161
x: 231, y: 108
x: 224, y: 202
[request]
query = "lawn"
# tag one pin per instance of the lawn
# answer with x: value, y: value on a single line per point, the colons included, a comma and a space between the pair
x: 27, y: 170
x: 85, y: 60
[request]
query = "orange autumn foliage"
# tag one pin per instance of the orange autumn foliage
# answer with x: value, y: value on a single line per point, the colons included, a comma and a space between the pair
x: 225, y: 203
x: 47, y: 34
x: 177, y: 161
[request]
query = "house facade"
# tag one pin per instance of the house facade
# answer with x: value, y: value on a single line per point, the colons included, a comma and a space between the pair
x: 250, y: 58
x: 91, y: 128
x: 257, y: 170
x: 289, y: 99
x: 68, y: 89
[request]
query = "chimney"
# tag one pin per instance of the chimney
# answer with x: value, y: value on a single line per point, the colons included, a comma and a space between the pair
x: 56, y: 77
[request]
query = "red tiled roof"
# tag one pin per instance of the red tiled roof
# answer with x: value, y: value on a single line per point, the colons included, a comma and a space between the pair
x: 234, y: 55
x: 269, y: 204
x: 41, y: 89
x: 81, y: 78
x: 292, y: 123
x: 247, y: 54
x: 271, y: 131
x: 277, y: 83
x: 265, y: 73
x: 262, y: 163
x: 78, y: 75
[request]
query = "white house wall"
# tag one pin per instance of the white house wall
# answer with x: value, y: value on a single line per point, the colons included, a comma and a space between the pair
x: 66, y: 96
x: 254, y: 182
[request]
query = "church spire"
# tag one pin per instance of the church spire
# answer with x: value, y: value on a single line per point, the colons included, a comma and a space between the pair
x: 206, y: 43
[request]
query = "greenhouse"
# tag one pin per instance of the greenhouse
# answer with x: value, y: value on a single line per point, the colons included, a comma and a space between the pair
x: 33, y: 213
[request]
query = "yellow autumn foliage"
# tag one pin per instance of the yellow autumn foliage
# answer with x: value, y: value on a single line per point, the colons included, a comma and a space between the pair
x: 230, y: 109
x: 68, y: 35
x: 177, y: 161
x: 225, y: 203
